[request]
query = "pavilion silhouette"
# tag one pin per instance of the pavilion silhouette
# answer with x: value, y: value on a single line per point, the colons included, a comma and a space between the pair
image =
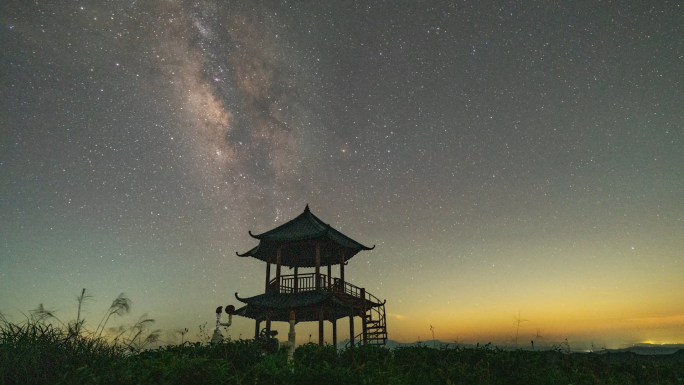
x: 306, y: 242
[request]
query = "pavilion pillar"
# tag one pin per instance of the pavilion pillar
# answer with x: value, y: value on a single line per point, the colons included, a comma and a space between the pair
x: 278, y: 262
x: 334, y: 332
x: 351, y: 330
x: 363, y: 317
x: 342, y: 271
x: 256, y: 329
x: 318, y: 265
x: 329, y: 277
x: 320, y: 327
x: 296, y: 279
x: 268, y: 325
x: 268, y: 273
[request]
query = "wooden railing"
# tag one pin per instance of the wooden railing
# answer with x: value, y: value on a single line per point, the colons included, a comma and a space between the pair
x: 307, y: 282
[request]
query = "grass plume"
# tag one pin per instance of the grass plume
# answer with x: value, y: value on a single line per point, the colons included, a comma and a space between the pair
x: 120, y: 306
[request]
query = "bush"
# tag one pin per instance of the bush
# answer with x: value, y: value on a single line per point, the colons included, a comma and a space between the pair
x: 34, y: 353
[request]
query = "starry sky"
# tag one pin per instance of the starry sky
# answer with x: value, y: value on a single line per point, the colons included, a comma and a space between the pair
x: 507, y: 158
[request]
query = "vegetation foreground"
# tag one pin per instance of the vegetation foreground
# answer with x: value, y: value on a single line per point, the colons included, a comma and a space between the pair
x: 36, y: 353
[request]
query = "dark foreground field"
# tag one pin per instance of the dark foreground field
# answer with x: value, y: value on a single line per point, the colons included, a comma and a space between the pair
x: 35, y: 354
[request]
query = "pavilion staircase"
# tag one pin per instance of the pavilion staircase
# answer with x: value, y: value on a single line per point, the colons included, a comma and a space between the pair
x: 375, y: 324
x: 374, y: 320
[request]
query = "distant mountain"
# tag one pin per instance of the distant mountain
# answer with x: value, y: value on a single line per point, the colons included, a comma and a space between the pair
x: 649, y: 349
x: 641, y: 349
x: 429, y: 343
x: 392, y: 344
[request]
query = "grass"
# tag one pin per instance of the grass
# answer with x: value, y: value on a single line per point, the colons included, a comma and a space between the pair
x: 33, y: 353
x: 44, y: 350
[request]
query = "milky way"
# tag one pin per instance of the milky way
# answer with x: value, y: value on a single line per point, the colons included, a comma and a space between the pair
x: 241, y: 102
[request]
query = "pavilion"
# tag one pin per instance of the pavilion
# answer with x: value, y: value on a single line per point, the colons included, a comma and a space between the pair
x: 308, y: 242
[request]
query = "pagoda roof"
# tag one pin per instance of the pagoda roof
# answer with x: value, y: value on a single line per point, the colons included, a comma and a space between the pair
x: 297, y: 239
x: 305, y: 304
x: 285, y: 300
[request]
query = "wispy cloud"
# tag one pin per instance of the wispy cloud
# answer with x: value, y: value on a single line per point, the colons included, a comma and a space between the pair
x: 397, y: 316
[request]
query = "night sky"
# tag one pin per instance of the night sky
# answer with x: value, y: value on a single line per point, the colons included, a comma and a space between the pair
x: 506, y: 158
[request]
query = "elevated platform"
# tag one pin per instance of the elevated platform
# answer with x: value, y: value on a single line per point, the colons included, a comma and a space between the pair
x: 331, y: 296
x: 306, y: 298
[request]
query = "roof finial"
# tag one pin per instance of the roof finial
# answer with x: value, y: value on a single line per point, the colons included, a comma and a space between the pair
x: 306, y: 209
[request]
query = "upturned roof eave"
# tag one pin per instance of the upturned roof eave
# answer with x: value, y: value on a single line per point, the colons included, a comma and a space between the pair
x: 279, y: 234
x: 340, y: 234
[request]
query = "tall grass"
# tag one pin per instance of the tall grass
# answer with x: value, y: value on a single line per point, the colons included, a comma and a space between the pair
x: 34, y: 353
x: 37, y: 353
x: 44, y: 350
